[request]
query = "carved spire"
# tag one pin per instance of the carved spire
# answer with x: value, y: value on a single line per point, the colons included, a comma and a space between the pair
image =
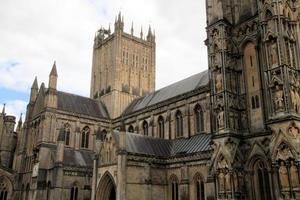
x: 119, y: 24
x: 53, y: 70
x: 34, y: 90
x: 142, y: 34
x: 149, y: 35
x: 53, y: 77
x: 3, y: 109
x: 131, y: 28
x: 20, y: 123
x: 35, y: 84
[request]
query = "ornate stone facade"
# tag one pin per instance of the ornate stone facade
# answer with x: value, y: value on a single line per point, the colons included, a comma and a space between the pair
x: 231, y: 132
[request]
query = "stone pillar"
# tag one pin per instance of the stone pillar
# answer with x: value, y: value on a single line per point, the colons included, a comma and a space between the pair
x: 94, y: 178
x: 184, y: 186
x: 121, y: 167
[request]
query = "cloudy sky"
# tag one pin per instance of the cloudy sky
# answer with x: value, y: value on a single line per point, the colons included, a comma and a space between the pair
x: 34, y: 33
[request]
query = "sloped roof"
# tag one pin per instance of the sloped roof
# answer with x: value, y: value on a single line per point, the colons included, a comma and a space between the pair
x: 77, y: 158
x: 145, y: 145
x: 81, y: 105
x: 181, y: 87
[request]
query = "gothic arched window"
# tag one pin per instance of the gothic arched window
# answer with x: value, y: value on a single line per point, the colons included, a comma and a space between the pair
x: 199, y: 187
x: 261, y: 181
x: 48, y: 195
x: 199, y: 118
x: 179, y: 124
x: 85, y: 137
x: 67, y: 134
x: 161, y: 127
x: 130, y: 129
x: 74, y: 193
x: 174, y: 188
x: 145, y: 128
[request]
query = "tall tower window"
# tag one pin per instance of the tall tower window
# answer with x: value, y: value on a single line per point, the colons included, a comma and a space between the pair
x: 161, y: 127
x: 174, y: 188
x: 85, y: 137
x: 67, y: 134
x: 179, y: 124
x: 145, y: 128
x: 199, y: 119
x: 74, y: 193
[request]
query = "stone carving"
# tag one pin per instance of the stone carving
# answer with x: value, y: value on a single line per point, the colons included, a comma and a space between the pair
x: 293, y: 131
x: 220, y: 119
x: 236, y: 182
x: 293, y: 99
x: 294, y: 175
x: 221, y: 178
x: 284, y: 152
x: 219, y: 84
x: 227, y: 181
x: 283, y: 175
x: 278, y: 99
x: 274, y: 54
x: 297, y: 99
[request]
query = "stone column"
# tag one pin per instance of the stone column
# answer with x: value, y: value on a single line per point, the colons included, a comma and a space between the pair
x: 94, y: 178
x: 121, y: 167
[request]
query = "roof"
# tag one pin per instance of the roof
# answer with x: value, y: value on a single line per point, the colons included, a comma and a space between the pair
x: 140, y: 144
x: 77, y: 158
x: 181, y: 87
x: 81, y: 105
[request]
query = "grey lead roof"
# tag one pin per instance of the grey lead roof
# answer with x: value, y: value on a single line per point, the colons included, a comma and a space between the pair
x: 181, y: 87
x: 81, y: 105
x: 140, y: 144
x: 77, y: 158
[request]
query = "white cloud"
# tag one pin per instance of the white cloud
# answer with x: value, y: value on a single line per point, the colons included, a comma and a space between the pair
x: 35, y: 33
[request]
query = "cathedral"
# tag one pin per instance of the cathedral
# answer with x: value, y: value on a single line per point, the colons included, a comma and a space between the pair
x: 231, y: 132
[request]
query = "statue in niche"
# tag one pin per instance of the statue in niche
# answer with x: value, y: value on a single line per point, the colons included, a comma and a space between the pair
x: 221, y: 178
x: 278, y: 98
x: 236, y: 182
x: 274, y: 54
x: 219, y: 82
x: 283, y: 175
x: 293, y: 99
x: 293, y: 131
x: 294, y: 175
x: 241, y: 181
x: 220, y: 119
x: 227, y: 181
x: 297, y: 99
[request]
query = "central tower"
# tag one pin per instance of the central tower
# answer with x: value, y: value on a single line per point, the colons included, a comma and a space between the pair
x: 123, y: 67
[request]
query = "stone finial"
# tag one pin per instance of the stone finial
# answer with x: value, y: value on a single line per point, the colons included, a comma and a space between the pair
x: 35, y: 84
x: 142, y: 34
x: 53, y: 70
x: 3, y: 109
x: 131, y: 28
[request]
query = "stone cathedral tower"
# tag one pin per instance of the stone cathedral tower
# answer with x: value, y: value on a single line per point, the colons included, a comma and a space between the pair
x: 123, y: 67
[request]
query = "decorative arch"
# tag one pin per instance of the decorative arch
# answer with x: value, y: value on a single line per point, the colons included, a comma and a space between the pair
x: 6, y: 188
x: 106, y: 188
x: 74, y: 192
x: 130, y: 129
x: 261, y: 184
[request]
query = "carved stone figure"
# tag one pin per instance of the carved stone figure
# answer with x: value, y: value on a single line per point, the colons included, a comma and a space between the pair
x: 219, y: 82
x: 221, y: 178
x: 297, y: 99
x: 283, y: 176
x: 294, y: 175
x: 220, y: 119
x: 236, y: 182
x: 293, y: 131
x: 274, y: 54
x: 278, y: 99
x: 227, y: 181
x: 293, y: 99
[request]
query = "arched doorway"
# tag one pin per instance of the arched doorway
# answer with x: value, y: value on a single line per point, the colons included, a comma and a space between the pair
x: 106, y: 188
